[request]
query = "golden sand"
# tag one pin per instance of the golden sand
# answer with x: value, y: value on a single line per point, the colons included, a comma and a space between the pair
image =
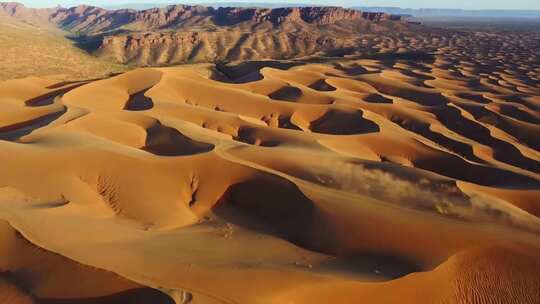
x: 357, y: 182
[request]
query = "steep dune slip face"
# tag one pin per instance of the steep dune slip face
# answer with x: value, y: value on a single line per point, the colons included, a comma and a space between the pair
x: 390, y: 181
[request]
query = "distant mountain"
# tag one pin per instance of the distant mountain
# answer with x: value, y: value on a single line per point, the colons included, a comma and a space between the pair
x: 94, y: 20
x: 143, y: 6
x: 182, y: 33
x: 32, y: 16
x: 423, y: 12
x: 434, y: 12
x: 136, y: 6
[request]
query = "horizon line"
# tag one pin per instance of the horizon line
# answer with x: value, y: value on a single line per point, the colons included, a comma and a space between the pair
x: 286, y: 4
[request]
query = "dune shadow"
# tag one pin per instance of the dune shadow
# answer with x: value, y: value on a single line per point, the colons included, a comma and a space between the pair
x: 411, y: 94
x: 272, y: 205
x: 139, y: 102
x: 248, y: 71
x: 454, y: 167
x: 166, y: 141
x: 49, y: 99
x: 22, y: 284
x: 474, y: 97
x: 343, y: 123
x: 286, y: 93
x: 45, y: 100
x: 42, y: 101
x: 377, y: 98
x: 249, y: 136
x: 277, y: 207
x: 517, y: 113
x: 353, y: 70
x: 16, y: 131
x: 424, y: 130
x: 133, y: 296
x: 322, y: 85
x: 382, y: 265
x: 493, y: 118
x: 452, y: 119
x: 286, y: 123
x: 415, y: 56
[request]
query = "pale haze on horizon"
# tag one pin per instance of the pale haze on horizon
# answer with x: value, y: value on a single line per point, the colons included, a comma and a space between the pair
x: 456, y: 4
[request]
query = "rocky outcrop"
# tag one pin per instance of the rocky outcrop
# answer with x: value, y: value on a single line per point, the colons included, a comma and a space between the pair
x: 11, y: 8
x: 185, y: 33
x: 241, y: 34
x: 37, y: 17
x: 170, y: 15
x: 87, y: 19
x: 181, y: 47
x: 312, y: 15
x: 329, y: 15
x: 90, y: 19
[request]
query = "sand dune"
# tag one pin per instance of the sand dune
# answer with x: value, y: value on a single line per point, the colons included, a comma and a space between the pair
x: 390, y: 181
x: 33, y: 275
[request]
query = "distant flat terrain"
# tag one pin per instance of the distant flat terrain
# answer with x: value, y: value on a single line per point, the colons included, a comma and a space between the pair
x: 28, y: 49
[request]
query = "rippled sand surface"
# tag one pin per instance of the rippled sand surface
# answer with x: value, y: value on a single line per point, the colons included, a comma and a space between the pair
x: 384, y: 181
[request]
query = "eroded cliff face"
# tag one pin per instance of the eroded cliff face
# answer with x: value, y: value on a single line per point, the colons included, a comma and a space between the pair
x: 180, y: 47
x: 312, y: 15
x: 205, y: 34
x: 89, y: 19
x: 183, y: 33
x: 37, y: 17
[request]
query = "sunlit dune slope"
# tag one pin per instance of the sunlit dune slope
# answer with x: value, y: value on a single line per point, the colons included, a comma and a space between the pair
x: 379, y: 181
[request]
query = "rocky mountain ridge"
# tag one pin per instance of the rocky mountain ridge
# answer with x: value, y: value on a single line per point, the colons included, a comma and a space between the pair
x: 94, y: 19
x: 184, y: 33
x: 86, y: 18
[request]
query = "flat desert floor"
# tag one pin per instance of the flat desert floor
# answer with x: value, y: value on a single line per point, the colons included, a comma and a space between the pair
x: 387, y: 180
x: 29, y: 50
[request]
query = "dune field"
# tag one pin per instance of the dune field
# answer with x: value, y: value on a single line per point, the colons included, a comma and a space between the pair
x: 411, y: 175
x: 390, y: 181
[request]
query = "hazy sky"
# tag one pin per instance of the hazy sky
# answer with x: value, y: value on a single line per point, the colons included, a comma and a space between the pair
x: 466, y: 4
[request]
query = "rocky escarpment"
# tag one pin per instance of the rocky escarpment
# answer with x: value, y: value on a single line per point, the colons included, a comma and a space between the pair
x: 32, y: 16
x: 312, y: 15
x: 88, y: 19
x: 91, y: 20
x: 179, y: 34
x: 184, y: 33
x: 179, y: 47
